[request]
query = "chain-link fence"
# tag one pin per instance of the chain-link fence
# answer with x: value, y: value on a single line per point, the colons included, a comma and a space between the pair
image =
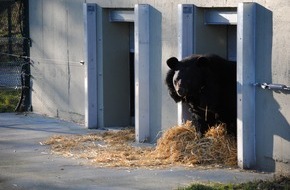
x: 10, y: 62
x: 14, y: 50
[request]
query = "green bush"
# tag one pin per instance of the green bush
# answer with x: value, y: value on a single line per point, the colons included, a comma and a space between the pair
x: 9, y: 100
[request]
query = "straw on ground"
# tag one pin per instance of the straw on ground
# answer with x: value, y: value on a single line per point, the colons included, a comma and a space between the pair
x: 178, y: 146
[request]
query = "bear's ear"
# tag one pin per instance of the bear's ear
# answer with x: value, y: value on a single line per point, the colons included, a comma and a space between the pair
x: 202, y: 61
x: 173, y: 63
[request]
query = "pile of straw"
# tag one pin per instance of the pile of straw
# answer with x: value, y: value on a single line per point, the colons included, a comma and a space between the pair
x: 179, y: 145
x: 182, y: 144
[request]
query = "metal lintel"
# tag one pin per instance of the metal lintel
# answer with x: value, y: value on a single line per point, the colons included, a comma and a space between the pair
x: 121, y: 15
x: 220, y: 17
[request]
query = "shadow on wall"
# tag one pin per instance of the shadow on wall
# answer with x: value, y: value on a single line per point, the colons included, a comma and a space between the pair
x: 271, y: 124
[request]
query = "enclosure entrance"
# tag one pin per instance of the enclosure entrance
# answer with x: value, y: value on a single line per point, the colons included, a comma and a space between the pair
x: 193, y: 40
x: 216, y: 32
x: 206, y: 30
x: 108, y: 100
x: 118, y: 68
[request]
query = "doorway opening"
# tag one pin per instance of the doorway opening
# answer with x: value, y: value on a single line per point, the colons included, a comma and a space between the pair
x: 118, y: 68
x: 207, y: 30
x: 109, y: 99
x: 216, y: 32
x: 240, y: 25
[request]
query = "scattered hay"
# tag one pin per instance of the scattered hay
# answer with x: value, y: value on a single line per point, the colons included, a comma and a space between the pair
x: 179, y: 145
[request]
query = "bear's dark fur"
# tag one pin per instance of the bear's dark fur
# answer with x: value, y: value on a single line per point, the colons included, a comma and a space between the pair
x: 207, y: 83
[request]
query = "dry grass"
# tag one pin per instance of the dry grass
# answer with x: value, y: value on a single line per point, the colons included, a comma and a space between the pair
x: 179, y: 145
x: 182, y: 144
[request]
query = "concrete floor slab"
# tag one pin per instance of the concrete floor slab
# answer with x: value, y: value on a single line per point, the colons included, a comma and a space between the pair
x: 26, y: 165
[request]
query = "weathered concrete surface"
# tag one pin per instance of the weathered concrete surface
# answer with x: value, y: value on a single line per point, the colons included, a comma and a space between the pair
x: 25, y: 164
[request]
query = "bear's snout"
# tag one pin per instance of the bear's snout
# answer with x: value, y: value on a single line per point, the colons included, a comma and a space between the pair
x: 181, y: 92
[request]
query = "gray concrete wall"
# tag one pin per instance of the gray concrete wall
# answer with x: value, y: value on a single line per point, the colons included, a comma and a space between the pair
x: 56, y: 30
x: 272, y: 108
x: 57, y: 33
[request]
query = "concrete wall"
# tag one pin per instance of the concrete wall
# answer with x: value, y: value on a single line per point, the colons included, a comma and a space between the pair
x: 56, y: 29
x: 272, y: 108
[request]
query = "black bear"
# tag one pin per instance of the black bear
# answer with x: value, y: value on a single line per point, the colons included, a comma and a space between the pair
x: 207, y: 83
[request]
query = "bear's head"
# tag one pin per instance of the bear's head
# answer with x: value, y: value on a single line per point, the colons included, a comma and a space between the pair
x: 187, y: 77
